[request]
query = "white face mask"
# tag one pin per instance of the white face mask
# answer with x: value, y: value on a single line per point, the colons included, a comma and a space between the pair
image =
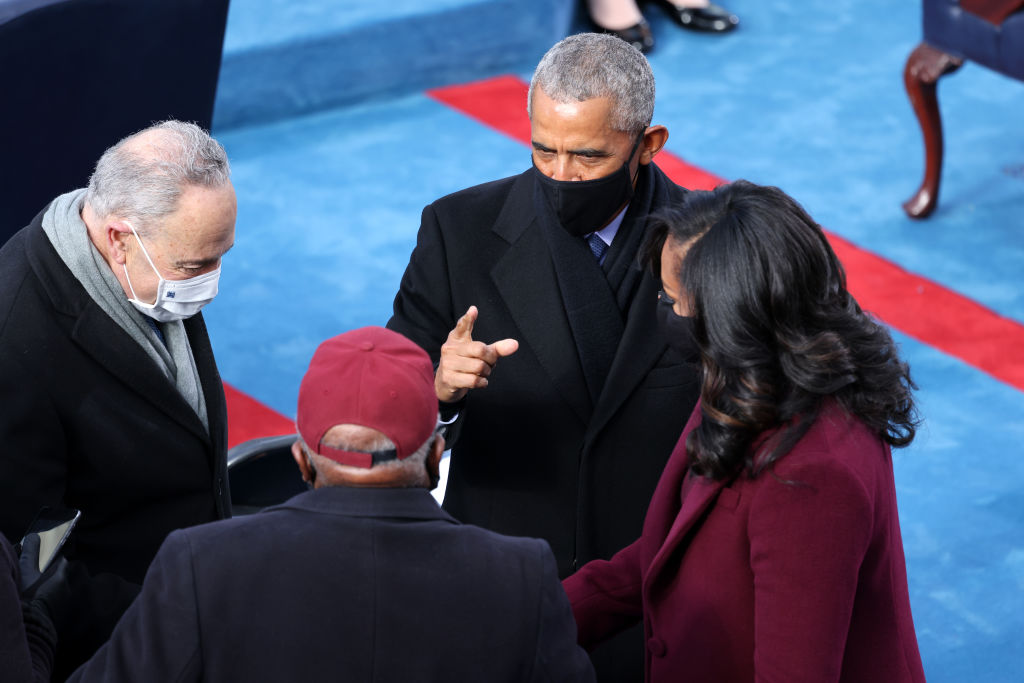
x: 175, y: 299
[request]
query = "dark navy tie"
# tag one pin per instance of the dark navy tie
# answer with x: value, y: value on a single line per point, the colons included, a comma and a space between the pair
x: 598, y: 246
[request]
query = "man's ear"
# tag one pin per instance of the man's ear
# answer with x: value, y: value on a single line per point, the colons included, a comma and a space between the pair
x: 303, y: 462
x: 433, y: 462
x: 654, y: 140
x: 117, y: 234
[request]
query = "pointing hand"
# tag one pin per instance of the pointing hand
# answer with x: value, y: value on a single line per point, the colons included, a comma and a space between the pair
x: 466, y: 364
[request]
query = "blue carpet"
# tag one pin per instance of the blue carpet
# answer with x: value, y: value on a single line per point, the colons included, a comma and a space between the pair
x: 807, y: 96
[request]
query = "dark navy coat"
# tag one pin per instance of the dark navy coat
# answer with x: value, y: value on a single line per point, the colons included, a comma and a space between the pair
x: 346, y: 584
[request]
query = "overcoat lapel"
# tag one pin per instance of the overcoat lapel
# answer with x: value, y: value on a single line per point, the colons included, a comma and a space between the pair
x: 525, y: 277
x: 588, y: 301
x: 697, y: 501
x: 209, y: 378
x: 639, y: 350
x: 104, y: 340
x: 642, y: 344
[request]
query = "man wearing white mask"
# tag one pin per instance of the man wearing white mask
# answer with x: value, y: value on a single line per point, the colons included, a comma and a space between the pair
x: 112, y: 403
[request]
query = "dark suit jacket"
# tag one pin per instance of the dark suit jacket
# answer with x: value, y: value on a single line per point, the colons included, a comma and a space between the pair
x: 90, y: 422
x: 537, y: 454
x: 346, y: 584
x: 797, y: 575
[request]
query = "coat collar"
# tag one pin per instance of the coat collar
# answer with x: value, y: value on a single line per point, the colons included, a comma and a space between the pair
x: 104, y: 340
x: 526, y: 278
x: 347, y: 501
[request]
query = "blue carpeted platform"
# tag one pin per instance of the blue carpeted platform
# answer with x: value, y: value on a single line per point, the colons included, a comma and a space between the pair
x: 285, y: 57
x: 805, y: 95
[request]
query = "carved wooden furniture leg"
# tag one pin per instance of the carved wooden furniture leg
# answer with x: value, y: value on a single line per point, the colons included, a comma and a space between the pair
x: 925, y: 66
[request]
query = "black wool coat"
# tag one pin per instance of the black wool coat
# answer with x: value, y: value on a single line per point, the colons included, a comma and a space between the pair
x: 89, y: 421
x: 557, y: 446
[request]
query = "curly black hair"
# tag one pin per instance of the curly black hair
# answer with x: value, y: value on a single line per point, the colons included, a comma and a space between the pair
x: 778, y: 332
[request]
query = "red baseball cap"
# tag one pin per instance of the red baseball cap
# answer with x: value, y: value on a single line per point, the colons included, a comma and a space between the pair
x: 374, y: 378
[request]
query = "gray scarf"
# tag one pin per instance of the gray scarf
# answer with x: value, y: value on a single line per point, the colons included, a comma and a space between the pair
x: 63, y: 224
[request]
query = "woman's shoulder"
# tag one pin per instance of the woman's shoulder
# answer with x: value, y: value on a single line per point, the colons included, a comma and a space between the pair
x: 838, y: 444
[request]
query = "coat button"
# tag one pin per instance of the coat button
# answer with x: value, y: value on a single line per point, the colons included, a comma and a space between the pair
x: 656, y: 647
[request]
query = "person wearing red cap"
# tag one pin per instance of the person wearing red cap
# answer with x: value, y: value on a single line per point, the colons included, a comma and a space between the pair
x: 362, y: 578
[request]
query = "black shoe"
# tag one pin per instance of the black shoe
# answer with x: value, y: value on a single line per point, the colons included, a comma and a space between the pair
x: 712, y: 18
x: 638, y: 35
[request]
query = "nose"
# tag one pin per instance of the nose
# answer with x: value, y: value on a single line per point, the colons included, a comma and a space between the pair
x: 563, y: 169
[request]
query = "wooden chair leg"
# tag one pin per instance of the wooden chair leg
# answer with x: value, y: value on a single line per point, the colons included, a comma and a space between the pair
x: 925, y: 66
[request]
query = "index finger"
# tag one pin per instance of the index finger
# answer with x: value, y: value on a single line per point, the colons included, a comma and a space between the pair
x: 464, y: 327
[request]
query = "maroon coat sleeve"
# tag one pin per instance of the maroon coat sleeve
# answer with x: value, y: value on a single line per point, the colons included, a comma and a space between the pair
x: 605, y: 595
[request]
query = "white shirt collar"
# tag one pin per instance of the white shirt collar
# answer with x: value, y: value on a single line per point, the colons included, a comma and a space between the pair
x: 607, y: 233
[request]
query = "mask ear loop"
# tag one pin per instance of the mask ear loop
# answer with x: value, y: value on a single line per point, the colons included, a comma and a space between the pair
x: 636, y: 145
x: 145, y: 253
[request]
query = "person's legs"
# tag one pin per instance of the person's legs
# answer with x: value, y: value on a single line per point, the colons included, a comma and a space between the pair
x: 623, y: 19
x: 701, y: 15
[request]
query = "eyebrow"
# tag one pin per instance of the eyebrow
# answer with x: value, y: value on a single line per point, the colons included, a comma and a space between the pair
x: 583, y: 152
x: 201, y: 263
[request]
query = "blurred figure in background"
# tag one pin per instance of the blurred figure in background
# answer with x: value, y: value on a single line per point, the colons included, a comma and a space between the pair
x: 624, y: 19
x: 771, y: 549
x: 112, y: 403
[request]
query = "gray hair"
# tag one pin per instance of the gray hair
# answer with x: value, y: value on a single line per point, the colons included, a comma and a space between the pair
x: 589, y: 65
x: 143, y: 180
x: 379, y: 443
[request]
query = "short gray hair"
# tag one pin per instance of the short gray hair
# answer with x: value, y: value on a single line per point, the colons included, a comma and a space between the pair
x: 144, y: 183
x: 589, y: 65
x: 379, y: 444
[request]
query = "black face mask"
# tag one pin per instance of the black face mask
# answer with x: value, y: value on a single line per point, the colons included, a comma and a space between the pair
x: 678, y: 330
x: 583, y: 206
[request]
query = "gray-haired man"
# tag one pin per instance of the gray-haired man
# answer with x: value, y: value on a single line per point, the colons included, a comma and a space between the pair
x: 527, y: 294
x: 112, y: 400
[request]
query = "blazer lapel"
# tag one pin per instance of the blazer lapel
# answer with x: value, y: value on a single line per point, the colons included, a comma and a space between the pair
x: 525, y: 277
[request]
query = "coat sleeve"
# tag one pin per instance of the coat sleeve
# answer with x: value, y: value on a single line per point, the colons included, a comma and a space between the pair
x: 606, y: 595
x: 33, y: 473
x: 33, y: 467
x: 423, y: 310
x: 158, y: 637
x: 26, y: 634
x: 810, y: 527
x: 558, y: 657
x: 423, y: 306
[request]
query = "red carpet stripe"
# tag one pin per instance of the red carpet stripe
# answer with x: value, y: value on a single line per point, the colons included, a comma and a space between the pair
x: 912, y: 304
x: 249, y: 419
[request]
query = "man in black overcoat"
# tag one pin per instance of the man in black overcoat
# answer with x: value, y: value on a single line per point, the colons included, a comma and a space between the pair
x: 112, y: 403
x: 364, y: 578
x: 529, y: 296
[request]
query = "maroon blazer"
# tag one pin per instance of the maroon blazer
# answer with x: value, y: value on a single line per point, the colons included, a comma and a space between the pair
x: 797, y: 575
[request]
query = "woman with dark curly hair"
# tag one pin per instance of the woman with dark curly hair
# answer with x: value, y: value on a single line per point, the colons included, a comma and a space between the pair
x: 771, y: 550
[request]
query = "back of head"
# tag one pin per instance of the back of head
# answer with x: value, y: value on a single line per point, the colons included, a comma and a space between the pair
x: 777, y: 328
x: 141, y: 178
x: 367, y: 408
x: 589, y: 65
